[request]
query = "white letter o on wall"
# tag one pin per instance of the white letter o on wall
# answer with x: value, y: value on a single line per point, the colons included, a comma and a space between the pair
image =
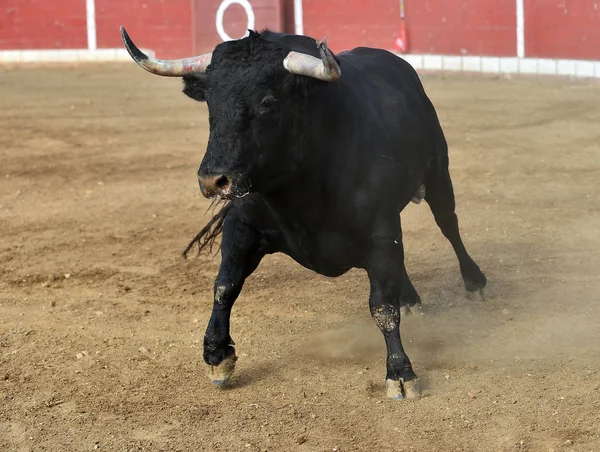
x: 221, y: 12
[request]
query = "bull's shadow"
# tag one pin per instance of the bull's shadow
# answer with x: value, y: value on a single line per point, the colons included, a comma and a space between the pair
x: 251, y: 374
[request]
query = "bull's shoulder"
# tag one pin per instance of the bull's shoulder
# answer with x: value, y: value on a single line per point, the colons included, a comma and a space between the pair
x: 377, y: 63
x: 372, y: 54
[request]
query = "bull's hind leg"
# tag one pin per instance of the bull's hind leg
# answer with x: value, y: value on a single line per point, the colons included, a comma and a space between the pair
x: 440, y: 197
x: 409, y: 297
x: 241, y: 254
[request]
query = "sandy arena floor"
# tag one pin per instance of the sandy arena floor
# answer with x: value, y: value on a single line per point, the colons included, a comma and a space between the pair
x: 101, y: 320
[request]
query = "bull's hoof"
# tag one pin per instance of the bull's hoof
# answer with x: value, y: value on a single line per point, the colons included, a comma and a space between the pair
x: 400, y: 389
x: 220, y: 374
x: 405, y: 311
x: 410, y: 298
x: 474, y: 278
x: 480, y: 295
x: 419, y: 195
x: 412, y: 389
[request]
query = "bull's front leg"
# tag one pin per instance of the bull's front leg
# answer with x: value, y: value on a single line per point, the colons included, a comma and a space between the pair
x: 240, y: 255
x: 384, y: 303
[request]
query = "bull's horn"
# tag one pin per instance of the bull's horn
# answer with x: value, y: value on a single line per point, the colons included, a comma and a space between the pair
x: 169, y: 68
x: 326, y: 68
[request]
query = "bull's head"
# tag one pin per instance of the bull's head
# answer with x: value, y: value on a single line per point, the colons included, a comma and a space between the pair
x: 247, y: 85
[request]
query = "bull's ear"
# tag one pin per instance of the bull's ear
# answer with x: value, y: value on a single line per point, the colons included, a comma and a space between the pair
x: 193, y: 86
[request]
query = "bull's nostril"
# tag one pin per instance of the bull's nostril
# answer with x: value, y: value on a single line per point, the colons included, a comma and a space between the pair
x: 223, y: 182
x: 215, y: 185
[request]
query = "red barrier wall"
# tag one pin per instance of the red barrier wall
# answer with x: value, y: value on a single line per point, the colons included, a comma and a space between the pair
x: 165, y: 26
x: 562, y: 29
x: 176, y: 28
x: 40, y: 24
x: 469, y: 27
x: 478, y: 27
x: 352, y: 23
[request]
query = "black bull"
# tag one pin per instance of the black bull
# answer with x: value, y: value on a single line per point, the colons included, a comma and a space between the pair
x: 317, y: 156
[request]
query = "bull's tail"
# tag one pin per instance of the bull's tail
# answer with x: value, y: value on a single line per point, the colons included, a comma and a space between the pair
x: 205, y: 239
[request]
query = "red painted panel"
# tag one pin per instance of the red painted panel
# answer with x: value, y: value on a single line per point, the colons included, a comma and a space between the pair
x: 40, y: 24
x: 478, y: 27
x: 177, y: 28
x: 268, y: 14
x: 352, y: 23
x: 462, y: 27
x: 164, y: 26
x: 562, y: 29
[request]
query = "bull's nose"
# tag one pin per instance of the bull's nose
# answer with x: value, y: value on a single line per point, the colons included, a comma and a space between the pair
x: 214, y: 185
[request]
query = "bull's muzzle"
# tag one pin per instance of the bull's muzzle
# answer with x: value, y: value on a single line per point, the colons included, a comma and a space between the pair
x: 219, y: 185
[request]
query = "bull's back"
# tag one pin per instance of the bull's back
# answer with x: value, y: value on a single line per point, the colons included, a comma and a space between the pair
x: 383, y: 65
x: 386, y: 86
x: 392, y: 108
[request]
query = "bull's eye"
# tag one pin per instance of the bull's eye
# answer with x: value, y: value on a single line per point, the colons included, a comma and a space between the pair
x: 267, y: 103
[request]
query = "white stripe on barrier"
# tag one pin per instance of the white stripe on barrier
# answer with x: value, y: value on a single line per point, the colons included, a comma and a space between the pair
x: 90, y: 18
x: 298, y: 17
x: 65, y: 55
x: 504, y: 65
x: 520, y: 29
x: 444, y: 63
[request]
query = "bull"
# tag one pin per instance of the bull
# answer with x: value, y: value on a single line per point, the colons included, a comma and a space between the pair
x: 315, y: 156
